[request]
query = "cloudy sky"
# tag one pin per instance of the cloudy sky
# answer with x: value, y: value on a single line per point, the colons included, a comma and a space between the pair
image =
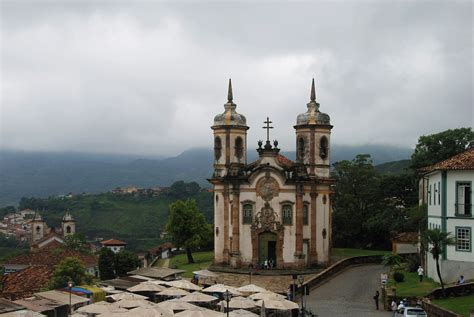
x: 143, y: 77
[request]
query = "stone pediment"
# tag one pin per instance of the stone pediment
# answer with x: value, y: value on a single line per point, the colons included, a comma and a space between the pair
x: 266, y: 220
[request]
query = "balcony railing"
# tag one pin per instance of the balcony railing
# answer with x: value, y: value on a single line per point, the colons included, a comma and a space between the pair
x: 463, y: 210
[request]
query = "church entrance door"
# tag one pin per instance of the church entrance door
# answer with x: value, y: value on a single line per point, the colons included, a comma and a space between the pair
x: 267, y: 247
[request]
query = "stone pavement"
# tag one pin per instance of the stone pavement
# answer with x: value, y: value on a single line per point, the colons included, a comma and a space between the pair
x: 349, y: 294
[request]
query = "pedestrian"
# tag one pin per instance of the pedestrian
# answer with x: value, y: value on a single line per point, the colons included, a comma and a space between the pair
x: 270, y: 263
x: 393, y: 307
x: 265, y: 264
x: 376, y: 298
x: 420, y: 273
x: 461, y: 280
x: 288, y: 293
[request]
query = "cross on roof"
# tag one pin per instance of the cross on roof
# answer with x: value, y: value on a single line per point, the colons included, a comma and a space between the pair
x: 268, y: 127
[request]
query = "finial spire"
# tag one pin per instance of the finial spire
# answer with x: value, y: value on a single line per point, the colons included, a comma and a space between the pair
x: 230, y: 97
x: 313, y: 92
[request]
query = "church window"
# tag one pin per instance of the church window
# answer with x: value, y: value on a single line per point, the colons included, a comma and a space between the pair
x: 429, y: 195
x: 239, y: 147
x: 38, y: 229
x: 323, y: 147
x: 463, y: 199
x: 301, y: 148
x: 217, y: 148
x: 305, y: 214
x: 287, y: 214
x: 247, y: 216
x: 325, y: 199
x: 68, y: 229
x: 434, y: 195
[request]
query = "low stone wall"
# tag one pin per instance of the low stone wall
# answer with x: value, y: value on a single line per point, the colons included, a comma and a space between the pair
x: 455, y: 290
x: 433, y: 310
x: 337, y: 267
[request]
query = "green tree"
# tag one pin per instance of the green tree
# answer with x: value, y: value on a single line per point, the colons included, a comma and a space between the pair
x: 106, y: 264
x: 125, y: 261
x: 70, y: 269
x: 77, y: 242
x: 187, y: 226
x: 440, y: 146
x: 393, y: 260
x: 435, y: 241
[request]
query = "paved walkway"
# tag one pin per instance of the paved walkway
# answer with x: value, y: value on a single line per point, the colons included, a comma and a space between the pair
x: 349, y: 294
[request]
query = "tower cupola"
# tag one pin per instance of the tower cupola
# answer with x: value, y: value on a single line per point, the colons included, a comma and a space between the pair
x: 313, y: 116
x: 68, y: 224
x: 230, y: 117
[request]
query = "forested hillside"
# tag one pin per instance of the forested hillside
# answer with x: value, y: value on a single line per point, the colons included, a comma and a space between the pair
x: 137, y: 219
x: 30, y: 174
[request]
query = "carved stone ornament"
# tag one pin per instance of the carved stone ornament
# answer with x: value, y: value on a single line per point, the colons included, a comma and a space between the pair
x: 266, y: 219
x: 267, y: 188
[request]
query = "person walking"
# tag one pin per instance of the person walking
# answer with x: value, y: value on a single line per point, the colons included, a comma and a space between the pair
x: 420, y: 273
x: 376, y: 298
x: 393, y: 307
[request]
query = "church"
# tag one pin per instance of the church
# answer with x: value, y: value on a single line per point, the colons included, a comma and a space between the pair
x: 274, y: 209
x: 43, y: 236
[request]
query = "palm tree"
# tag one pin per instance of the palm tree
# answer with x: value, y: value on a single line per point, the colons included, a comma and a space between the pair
x: 434, y: 240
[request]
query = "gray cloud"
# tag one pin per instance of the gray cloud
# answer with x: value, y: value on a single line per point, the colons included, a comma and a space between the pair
x: 144, y: 77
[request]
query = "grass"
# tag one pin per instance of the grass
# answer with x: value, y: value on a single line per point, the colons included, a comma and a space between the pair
x: 348, y: 252
x: 411, y: 286
x: 202, y: 261
x: 461, y: 305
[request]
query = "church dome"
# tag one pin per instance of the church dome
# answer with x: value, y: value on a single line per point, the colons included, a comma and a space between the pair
x: 230, y: 115
x: 313, y: 115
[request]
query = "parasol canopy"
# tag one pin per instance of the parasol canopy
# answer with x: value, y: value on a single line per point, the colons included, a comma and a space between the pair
x: 101, y: 308
x: 239, y: 303
x: 268, y: 295
x: 205, y: 273
x: 124, y: 295
x: 251, y: 288
x: 242, y: 313
x: 151, y: 311
x: 177, y: 304
x: 131, y: 303
x: 281, y: 304
x: 146, y: 287
x: 173, y: 292
x: 198, y: 298
x: 202, y: 312
x: 221, y: 288
x: 184, y: 284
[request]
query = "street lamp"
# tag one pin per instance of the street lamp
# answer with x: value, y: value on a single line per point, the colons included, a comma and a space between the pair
x: 301, y: 281
x: 227, y: 297
x: 69, y: 285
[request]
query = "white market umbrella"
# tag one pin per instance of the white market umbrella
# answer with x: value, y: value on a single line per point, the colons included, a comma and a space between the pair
x: 184, y: 284
x: 173, y: 292
x: 242, y: 313
x: 177, y: 304
x: 101, y: 308
x: 268, y: 295
x: 132, y: 303
x: 239, y: 303
x: 146, y: 287
x: 124, y: 295
x: 151, y: 311
x: 251, y: 288
x: 221, y: 288
x: 203, y: 312
x: 198, y: 298
x: 281, y: 304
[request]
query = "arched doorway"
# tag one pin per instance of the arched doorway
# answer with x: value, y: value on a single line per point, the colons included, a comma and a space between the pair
x: 267, y: 242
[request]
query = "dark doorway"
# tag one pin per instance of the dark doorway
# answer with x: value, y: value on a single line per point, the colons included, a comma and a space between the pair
x: 267, y: 247
x: 272, y: 251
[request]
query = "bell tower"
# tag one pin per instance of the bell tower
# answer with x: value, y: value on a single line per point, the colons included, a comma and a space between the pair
x: 313, y: 131
x: 68, y: 225
x: 37, y: 227
x: 230, y: 138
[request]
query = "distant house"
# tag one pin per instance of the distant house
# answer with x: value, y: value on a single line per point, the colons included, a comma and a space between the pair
x: 114, y: 245
x: 405, y: 242
x: 448, y: 189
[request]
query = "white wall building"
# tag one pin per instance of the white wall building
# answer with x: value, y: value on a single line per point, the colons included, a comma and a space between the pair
x: 449, y: 200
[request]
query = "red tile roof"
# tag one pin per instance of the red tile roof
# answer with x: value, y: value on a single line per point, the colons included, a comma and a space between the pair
x: 461, y: 161
x: 52, y: 257
x: 24, y: 283
x: 284, y: 161
x: 113, y: 242
x: 406, y: 237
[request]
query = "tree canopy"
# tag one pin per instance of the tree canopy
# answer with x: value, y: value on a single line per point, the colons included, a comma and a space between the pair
x: 70, y: 269
x: 440, y: 146
x: 125, y: 261
x: 187, y: 226
x: 106, y: 264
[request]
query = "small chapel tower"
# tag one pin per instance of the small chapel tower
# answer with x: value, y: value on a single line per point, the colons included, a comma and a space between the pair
x: 68, y: 225
x: 313, y: 130
x: 37, y: 227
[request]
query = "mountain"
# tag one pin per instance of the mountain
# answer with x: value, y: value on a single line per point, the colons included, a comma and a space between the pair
x: 33, y: 174
x: 395, y: 167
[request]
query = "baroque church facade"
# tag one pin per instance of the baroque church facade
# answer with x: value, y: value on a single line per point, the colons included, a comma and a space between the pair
x: 274, y: 208
x: 42, y: 235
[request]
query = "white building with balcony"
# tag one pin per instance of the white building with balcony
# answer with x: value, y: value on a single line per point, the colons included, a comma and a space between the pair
x: 449, y: 197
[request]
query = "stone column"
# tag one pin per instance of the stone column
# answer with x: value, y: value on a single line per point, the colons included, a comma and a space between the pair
x: 236, y: 227
x: 313, y: 251
x: 312, y: 152
x: 226, y: 224
x: 299, y: 259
